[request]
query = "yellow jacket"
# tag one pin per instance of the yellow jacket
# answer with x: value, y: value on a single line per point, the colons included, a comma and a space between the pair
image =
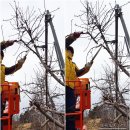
x: 70, y: 70
x: 8, y: 70
x: 2, y: 74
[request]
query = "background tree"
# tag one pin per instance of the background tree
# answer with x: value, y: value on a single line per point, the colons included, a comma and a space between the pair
x: 96, y: 22
x: 29, y: 26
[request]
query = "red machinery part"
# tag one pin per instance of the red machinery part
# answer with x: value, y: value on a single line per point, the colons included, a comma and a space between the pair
x: 11, y: 98
x: 83, y: 92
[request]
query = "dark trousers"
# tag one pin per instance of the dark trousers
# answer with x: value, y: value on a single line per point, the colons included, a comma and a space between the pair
x: 70, y: 108
x: 1, y: 110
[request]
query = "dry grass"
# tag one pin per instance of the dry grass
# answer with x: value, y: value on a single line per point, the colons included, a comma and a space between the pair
x: 93, y: 124
x: 25, y: 126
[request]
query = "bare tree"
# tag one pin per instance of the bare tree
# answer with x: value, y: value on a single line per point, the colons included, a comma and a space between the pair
x: 108, y: 104
x: 96, y: 22
x: 30, y: 30
x: 29, y: 26
x: 53, y: 111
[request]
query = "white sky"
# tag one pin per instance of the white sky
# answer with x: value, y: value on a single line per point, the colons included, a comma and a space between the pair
x: 62, y: 23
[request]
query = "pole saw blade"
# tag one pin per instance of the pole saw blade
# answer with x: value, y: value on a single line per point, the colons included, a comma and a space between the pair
x: 95, y: 55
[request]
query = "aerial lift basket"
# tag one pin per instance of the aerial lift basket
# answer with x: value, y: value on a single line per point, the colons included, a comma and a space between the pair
x: 11, y: 97
x: 83, y: 93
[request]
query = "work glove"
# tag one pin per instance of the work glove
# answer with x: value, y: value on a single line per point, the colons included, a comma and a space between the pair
x: 22, y: 60
x: 5, y: 44
x: 77, y: 34
x: 88, y: 65
x: 11, y: 42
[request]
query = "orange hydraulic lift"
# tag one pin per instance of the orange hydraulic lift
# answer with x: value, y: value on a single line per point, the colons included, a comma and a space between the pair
x: 11, y: 97
x: 83, y: 92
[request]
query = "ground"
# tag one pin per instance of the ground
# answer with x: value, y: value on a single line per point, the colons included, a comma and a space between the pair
x: 25, y: 126
x: 93, y: 124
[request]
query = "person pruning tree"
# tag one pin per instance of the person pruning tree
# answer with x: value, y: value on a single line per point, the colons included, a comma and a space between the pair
x: 72, y: 72
x: 7, y: 70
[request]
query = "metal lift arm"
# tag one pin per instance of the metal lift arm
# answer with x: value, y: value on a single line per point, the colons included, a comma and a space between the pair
x: 125, y: 31
x: 57, y: 47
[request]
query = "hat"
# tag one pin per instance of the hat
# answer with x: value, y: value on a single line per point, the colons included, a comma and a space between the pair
x: 2, y: 53
x: 70, y: 48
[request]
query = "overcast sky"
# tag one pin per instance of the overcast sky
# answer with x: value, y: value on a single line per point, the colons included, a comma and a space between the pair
x: 62, y: 22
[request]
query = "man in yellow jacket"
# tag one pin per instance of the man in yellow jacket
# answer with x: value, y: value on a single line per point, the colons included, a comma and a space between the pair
x: 71, y: 73
x: 7, y: 70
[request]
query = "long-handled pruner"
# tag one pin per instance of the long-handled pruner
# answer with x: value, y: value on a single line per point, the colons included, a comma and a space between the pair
x: 95, y: 55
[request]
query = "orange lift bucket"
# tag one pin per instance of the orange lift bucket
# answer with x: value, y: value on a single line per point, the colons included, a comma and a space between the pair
x: 83, y: 92
x: 11, y: 97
